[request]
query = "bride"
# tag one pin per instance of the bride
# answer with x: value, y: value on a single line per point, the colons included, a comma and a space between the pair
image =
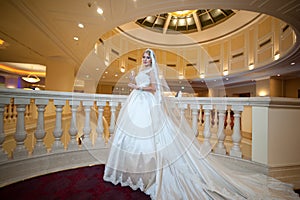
x: 154, y: 150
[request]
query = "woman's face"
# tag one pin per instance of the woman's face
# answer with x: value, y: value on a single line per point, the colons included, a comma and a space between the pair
x: 147, y: 60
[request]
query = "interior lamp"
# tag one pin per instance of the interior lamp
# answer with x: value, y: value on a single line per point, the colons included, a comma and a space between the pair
x: 122, y: 69
x: 251, y: 66
x: 276, y: 56
x: 31, y: 78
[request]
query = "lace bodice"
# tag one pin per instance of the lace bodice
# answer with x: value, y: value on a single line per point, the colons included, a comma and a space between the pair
x: 143, y: 78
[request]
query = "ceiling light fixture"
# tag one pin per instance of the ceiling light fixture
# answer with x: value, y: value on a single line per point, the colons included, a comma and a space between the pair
x: 122, y: 69
x: 202, y: 75
x: 251, y: 66
x: 76, y: 38
x: 99, y: 11
x: 80, y: 25
x: 31, y: 78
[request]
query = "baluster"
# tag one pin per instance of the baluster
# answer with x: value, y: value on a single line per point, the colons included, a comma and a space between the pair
x: 73, y: 145
x: 206, y: 133
x: 236, y: 135
x: 195, y: 108
x: 40, y: 130
x: 220, y: 148
x: 214, y: 124
x: 57, y: 133
x: 3, y: 103
x: 113, y: 106
x: 20, y: 134
x: 87, y: 142
x: 100, y: 129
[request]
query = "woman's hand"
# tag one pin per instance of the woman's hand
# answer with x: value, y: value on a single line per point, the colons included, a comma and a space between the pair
x: 133, y: 86
x: 132, y: 76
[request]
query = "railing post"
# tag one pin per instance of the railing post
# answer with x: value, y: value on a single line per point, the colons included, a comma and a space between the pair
x: 87, y: 143
x: 182, y: 107
x: 99, y: 129
x: 20, y: 134
x: 57, y: 133
x: 40, y: 131
x: 3, y: 103
x: 195, y: 108
x: 73, y: 145
x: 236, y: 135
x: 220, y: 148
x: 206, y: 133
x: 113, y: 106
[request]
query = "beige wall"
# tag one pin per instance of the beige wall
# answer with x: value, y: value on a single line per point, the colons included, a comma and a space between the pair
x: 104, y: 89
x: 291, y: 88
x: 60, y: 75
x: 284, y: 131
x: 276, y: 87
x: 235, y: 91
x: 263, y: 87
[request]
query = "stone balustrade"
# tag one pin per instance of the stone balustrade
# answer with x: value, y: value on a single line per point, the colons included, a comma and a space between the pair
x: 62, y: 130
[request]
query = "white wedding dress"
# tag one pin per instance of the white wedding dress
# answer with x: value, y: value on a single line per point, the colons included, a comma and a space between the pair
x: 156, y: 152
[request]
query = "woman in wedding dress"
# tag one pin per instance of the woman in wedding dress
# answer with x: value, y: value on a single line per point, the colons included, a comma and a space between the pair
x: 154, y: 150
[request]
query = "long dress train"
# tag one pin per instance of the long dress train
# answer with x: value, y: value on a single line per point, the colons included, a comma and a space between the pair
x: 152, y: 153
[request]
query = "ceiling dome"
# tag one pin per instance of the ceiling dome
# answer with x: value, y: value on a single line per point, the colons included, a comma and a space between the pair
x: 186, y: 21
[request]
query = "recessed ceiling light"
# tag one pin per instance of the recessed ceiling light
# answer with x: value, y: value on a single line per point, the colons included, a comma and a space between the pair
x: 97, y: 68
x: 76, y: 38
x: 99, y: 11
x: 80, y: 25
x: 276, y: 56
x: 227, y: 79
x: 116, y: 75
x: 251, y: 66
x: 278, y: 74
x: 293, y: 63
x: 225, y: 72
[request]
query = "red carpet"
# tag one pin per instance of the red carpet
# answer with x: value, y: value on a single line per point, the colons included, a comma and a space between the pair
x: 83, y: 183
